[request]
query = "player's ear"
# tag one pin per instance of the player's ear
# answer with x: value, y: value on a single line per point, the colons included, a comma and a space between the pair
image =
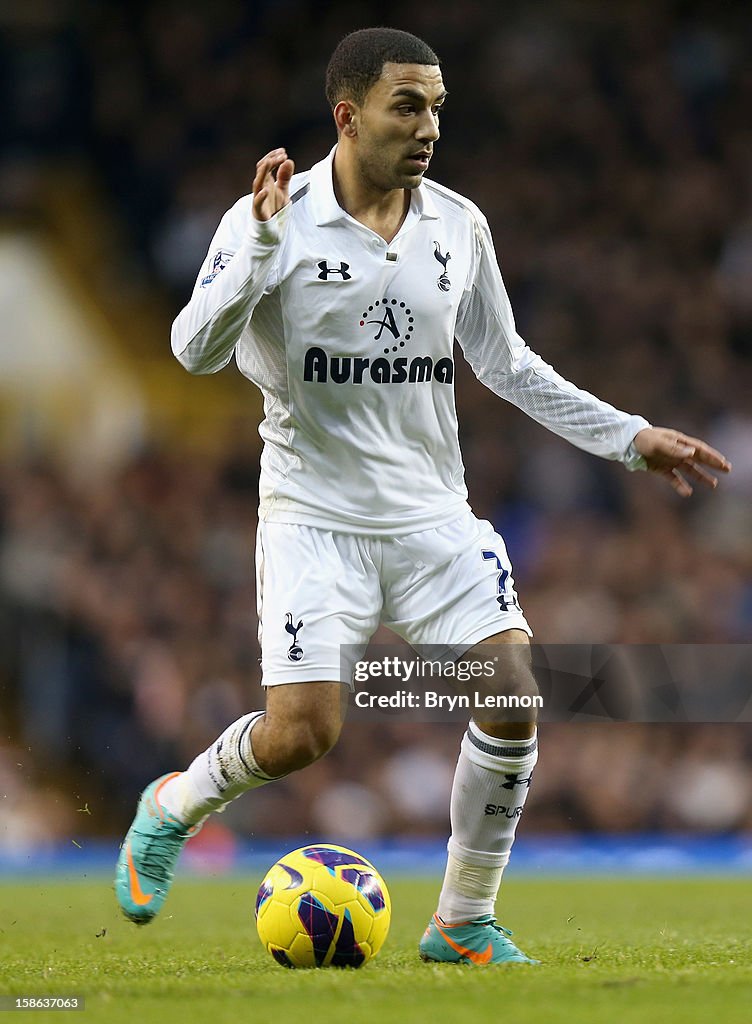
x: 346, y: 118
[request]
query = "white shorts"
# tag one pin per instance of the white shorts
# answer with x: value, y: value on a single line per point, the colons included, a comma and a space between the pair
x: 321, y: 593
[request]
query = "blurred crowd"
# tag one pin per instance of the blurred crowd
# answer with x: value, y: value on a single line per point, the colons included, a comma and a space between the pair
x: 610, y: 149
x: 128, y: 642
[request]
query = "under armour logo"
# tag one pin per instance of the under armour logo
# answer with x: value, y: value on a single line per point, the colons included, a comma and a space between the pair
x: 443, y: 281
x: 295, y: 652
x: 325, y: 270
x: 516, y: 780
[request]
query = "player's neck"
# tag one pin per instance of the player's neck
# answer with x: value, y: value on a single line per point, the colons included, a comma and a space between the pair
x: 382, y: 212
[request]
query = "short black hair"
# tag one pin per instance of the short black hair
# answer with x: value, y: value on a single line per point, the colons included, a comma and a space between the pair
x: 359, y: 59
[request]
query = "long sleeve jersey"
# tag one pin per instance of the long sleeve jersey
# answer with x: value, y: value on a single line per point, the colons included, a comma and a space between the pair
x: 351, y: 341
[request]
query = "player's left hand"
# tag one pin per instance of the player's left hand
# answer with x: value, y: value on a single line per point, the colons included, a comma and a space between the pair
x: 677, y: 457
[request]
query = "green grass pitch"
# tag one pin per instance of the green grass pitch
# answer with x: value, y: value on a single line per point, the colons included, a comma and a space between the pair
x: 652, y: 951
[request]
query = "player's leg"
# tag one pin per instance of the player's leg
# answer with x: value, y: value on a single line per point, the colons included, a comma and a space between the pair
x: 303, y: 715
x: 491, y: 783
x: 468, y: 584
x: 301, y: 723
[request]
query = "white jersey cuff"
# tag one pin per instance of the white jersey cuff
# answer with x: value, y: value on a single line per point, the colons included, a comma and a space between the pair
x: 632, y: 458
x: 268, y: 232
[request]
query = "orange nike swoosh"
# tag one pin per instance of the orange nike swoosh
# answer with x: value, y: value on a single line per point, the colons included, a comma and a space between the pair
x: 139, y: 897
x: 471, y: 954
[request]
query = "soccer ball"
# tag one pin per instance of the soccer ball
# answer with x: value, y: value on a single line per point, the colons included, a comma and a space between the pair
x: 323, y: 906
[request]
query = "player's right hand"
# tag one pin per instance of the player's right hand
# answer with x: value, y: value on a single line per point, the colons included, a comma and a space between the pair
x: 271, y: 186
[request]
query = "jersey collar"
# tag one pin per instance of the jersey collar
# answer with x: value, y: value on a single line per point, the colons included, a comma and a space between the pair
x: 326, y: 209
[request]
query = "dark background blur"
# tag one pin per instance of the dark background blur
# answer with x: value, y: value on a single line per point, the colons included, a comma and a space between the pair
x: 610, y: 147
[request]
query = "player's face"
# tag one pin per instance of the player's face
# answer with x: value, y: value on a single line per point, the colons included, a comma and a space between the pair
x: 398, y: 125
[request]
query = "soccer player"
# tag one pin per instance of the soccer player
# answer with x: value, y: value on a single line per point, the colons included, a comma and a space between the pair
x: 340, y: 292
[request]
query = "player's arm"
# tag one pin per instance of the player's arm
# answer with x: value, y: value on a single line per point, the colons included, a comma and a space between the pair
x: 238, y: 269
x: 504, y: 363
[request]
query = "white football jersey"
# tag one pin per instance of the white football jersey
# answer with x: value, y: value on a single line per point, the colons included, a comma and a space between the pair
x: 351, y: 341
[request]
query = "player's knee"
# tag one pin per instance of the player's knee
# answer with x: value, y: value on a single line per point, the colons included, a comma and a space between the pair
x: 513, y: 679
x: 301, y: 724
x: 306, y: 742
x: 318, y: 737
x: 519, y: 680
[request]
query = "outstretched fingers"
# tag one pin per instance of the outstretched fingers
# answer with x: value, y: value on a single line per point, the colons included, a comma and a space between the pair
x: 678, y: 478
x: 680, y: 458
x: 689, y: 458
x: 700, y: 475
x: 702, y: 452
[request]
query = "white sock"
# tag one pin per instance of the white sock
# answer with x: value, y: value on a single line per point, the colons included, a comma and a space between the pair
x: 218, y: 775
x: 491, y: 784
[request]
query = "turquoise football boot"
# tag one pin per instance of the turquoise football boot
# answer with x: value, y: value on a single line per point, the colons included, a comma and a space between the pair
x: 481, y: 941
x: 146, y: 864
